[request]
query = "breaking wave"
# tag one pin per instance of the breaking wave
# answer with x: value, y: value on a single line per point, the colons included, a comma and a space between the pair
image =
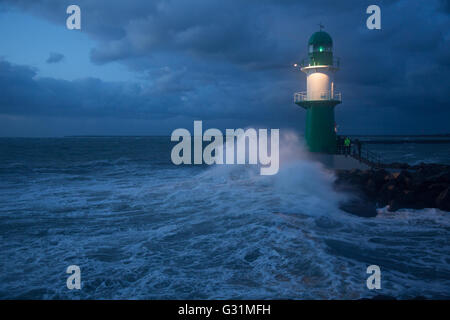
x: 140, y: 227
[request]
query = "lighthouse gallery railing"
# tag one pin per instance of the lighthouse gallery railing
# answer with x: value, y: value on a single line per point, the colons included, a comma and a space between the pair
x: 307, y: 62
x: 317, y: 96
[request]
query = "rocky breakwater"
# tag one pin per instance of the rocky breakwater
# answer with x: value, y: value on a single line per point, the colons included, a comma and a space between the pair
x: 397, y: 186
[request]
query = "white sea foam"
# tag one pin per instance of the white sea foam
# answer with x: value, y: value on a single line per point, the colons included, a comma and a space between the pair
x: 143, y: 231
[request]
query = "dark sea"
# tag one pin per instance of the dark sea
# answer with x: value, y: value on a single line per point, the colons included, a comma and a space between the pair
x: 140, y: 227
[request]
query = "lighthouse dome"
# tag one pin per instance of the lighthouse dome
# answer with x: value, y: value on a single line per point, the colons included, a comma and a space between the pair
x: 320, y: 38
x: 320, y: 49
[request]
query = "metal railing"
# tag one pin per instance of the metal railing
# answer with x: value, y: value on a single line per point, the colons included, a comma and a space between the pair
x: 366, y: 156
x: 307, y: 62
x: 317, y: 96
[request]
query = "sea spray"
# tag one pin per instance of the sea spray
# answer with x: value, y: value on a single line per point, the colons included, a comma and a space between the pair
x: 140, y: 227
x: 242, y: 147
x: 300, y: 180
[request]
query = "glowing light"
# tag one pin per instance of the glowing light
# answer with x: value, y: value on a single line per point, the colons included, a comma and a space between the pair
x: 295, y: 65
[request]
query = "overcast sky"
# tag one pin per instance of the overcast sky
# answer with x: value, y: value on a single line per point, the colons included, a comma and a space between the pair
x: 149, y: 67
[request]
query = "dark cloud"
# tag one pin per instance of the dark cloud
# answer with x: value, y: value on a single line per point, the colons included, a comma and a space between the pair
x: 26, y: 94
x: 55, y: 57
x: 445, y: 6
x: 171, y: 93
x: 215, y: 59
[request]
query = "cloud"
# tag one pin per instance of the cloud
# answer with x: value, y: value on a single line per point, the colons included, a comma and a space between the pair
x: 214, y: 59
x: 27, y: 94
x: 170, y: 93
x: 55, y: 57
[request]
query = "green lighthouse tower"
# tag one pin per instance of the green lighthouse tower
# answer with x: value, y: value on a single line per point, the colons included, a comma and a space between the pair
x: 320, y: 97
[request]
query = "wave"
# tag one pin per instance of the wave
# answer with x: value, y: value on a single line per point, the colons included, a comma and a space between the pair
x: 193, y: 232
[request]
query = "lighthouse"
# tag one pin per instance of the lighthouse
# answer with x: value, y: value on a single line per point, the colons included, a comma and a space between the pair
x: 320, y: 96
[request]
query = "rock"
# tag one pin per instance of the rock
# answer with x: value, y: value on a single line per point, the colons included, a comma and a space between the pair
x: 421, y: 186
x: 394, y: 205
x: 442, y: 177
x: 443, y: 200
x: 404, y: 179
x: 431, y: 169
x: 371, y: 187
x: 418, y: 179
x: 357, y: 177
x: 388, y: 193
x: 360, y: 207
x: 349, y: 180
x: 405, y: 199
x: 379, y: 177
x: 431, y: 192
x: 396, y: 165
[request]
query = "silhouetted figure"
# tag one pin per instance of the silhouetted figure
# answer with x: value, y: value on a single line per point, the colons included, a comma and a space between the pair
x: 347, y: 144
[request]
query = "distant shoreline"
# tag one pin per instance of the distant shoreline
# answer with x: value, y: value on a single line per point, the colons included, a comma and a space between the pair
x: 363, y: 137
x: 402, y: 135
x: 443, y: 141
